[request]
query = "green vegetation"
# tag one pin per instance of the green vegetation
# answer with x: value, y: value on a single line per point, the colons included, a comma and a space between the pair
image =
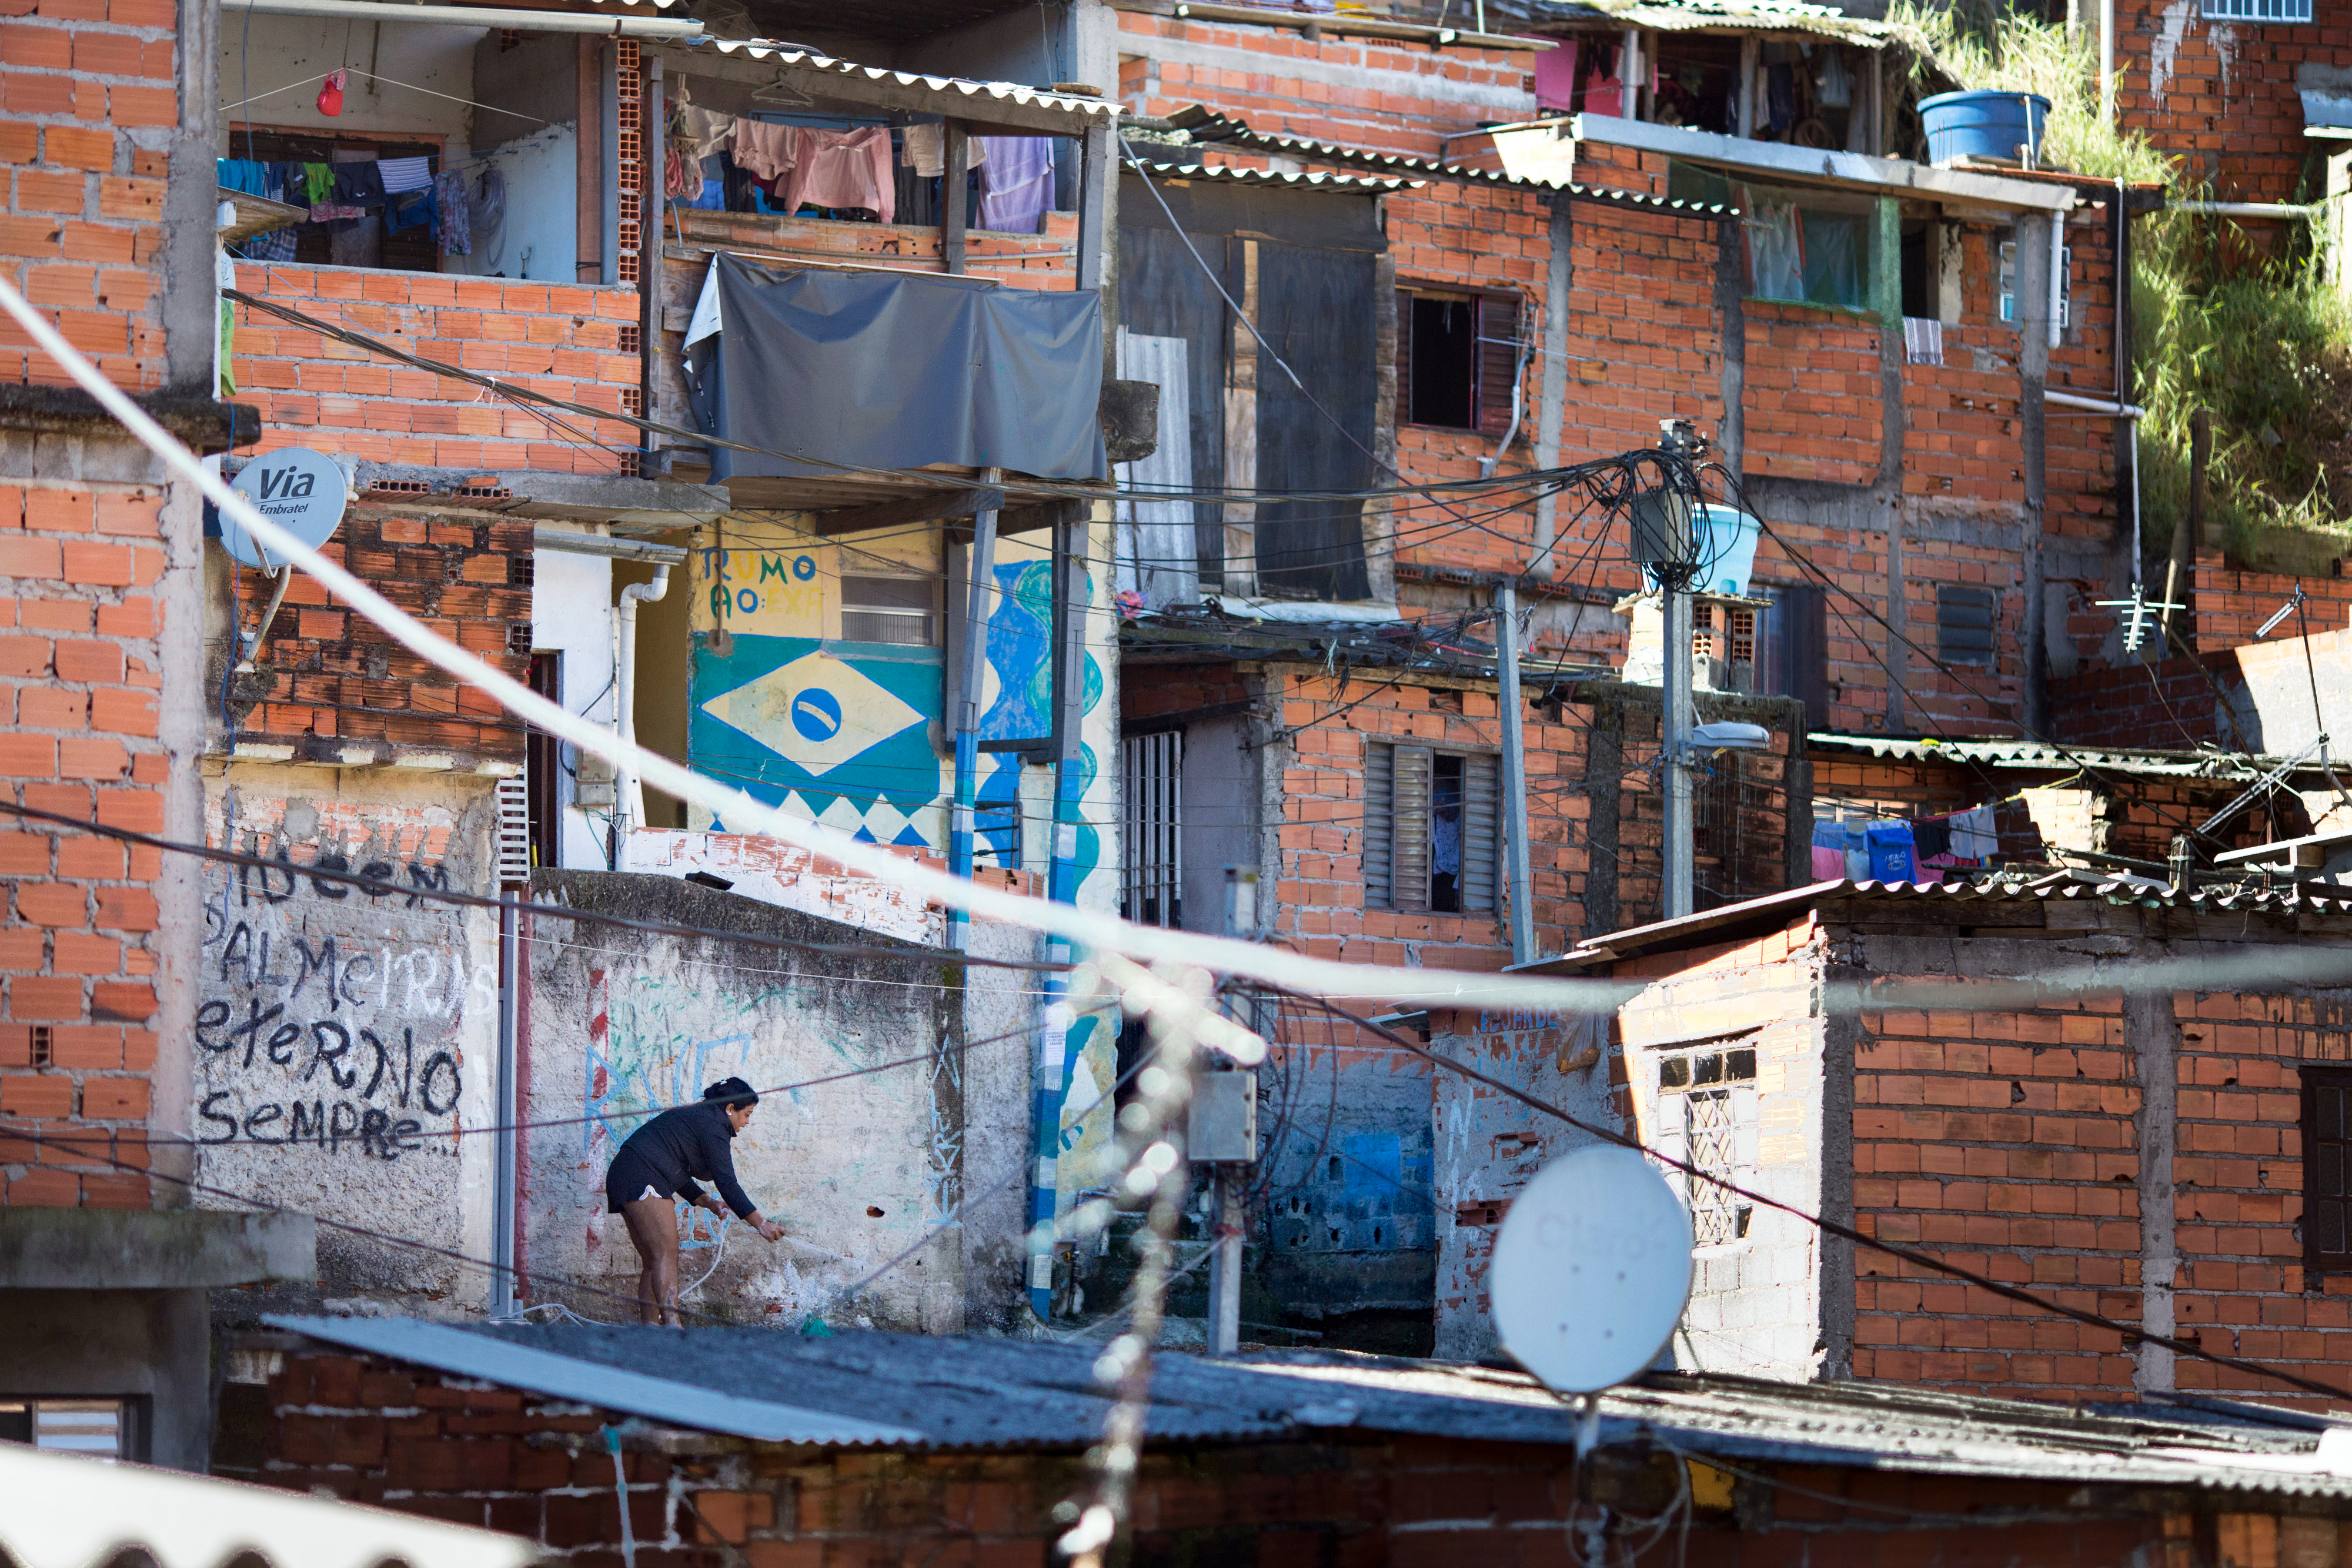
x: 2255, y: 337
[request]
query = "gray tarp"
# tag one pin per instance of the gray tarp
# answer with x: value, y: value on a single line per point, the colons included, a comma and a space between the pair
x: 896, y: 370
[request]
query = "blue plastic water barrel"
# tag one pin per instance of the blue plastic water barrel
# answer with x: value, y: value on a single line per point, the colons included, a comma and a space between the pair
x: 1993, y: 126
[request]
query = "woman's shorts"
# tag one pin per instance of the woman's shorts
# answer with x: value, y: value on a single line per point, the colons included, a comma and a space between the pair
x: 629, y: 1180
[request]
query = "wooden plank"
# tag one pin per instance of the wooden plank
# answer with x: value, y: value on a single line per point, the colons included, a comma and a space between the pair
x: 953, y: 198
x: 937, y: 505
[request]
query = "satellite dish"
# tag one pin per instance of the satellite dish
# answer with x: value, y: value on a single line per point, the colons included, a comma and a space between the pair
x: 1592, y: 1269
x: 300, y: 490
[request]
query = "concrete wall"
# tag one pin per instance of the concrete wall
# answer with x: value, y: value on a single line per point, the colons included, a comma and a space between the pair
x: 856, y: 1169
x: 150, y: 1347
x: 571, y: 615
x: 277, y: 60
x: 345, y: 1039
x: 1757, y: 1303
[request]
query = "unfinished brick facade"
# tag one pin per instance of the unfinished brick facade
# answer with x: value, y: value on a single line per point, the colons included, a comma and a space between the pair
x: 2135, y: 1155
x: 2219, y: 96
x: 335, y: 688
x: 574, y: 343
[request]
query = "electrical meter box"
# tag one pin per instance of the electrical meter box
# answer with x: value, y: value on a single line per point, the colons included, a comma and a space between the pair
x: 1222, y: 1126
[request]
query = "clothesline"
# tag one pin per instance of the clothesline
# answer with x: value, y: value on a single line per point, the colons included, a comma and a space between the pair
x: 409, y: 191
x: 1907, y: 849
x: 389, y: 81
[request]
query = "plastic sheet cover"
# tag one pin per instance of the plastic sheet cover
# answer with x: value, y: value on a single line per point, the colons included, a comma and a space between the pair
x: 894, y: 370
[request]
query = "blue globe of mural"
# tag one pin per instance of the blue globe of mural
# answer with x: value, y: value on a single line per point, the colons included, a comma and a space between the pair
x: 816, y: 714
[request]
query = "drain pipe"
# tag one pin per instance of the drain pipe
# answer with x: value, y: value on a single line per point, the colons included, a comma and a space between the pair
x: 628, y: 789
x: 1487, y: 464
x: 2277, y: 212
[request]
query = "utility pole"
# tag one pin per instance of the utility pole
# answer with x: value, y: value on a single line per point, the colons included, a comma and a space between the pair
x: 1517, y: 861
x: 1664, y: 542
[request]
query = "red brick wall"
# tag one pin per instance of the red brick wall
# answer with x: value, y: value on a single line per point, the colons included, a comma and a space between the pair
x: 80, y: 670
x: 2231, y: 605
x: 1047, y: 260
x: 336, y: 687
x: 82, y: 230
x: 2219, y: 97
x: 569, y: 341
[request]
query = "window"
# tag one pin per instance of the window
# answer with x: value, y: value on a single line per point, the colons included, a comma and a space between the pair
x: 1794, y: 659
x: 543, y: 764
x: 2009, y: 282
x: 2328, y: 1168
x: 902, y: 609
x: 1458, y: 359
x: 2257, y: 10
x: 1808, y: 247
x: 1151, y: 880
x: 369, y: 241
x: 101, y: 1429
x: 1708, y: 1117
x: 1965, y: 621
x: 1433, y: 830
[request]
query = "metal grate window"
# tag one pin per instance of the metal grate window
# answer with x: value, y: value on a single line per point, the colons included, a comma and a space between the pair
x: 2327, y: 1169
x: 901, y: 610
x: 2257, y: 10
x: 1152, y: 876
x: 1708, y: 1116
x: 514, y: 831
x: 1966, y: 621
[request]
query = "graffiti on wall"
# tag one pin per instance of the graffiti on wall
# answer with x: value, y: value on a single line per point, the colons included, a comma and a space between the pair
x: 329, y: 1018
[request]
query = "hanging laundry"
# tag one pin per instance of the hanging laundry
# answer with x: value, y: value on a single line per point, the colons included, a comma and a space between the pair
x: 842, y: 169
x: 925, y: 151
x: 700, y: 131
x: 1828, y: 850
x: 318, y: 182
x: 358, y: 184
x: 1890, y: 852
x: 1016, y: 182
x: 453, y: 230
x: 1973, y: 834
x: 763, y: 150
x: 330, y: 97
x: 243, y: 174
x: 334, y: 212
x: 412, y: 211
x: 1923, y: 339
x: 401, y: 176
x: 282, y: 183
x: 1930, y: 837
x: 488, y: 218
x: 680, y: 177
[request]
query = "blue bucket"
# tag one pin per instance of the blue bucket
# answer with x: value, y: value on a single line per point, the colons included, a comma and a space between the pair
x: 1993, y: 127
x: 1731, y: 549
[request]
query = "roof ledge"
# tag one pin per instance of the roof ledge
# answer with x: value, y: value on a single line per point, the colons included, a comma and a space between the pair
x: 152, y: 1249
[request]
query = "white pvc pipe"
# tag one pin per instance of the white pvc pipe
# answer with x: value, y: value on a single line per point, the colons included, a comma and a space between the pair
x: 629, y: 787
x: 2112, y: 408
x: 1095, y: 928
x: 681, y: 28
x: 2277, y: 212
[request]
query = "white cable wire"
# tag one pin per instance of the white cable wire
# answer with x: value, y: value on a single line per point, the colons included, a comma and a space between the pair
x: 1086, y: 927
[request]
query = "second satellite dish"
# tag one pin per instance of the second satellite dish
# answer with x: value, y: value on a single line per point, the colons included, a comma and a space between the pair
x: 1592, y: 1269
x: 300, y: 490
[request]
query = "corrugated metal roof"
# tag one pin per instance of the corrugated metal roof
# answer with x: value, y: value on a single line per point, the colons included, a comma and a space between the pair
x: 960, y: 1392
x: 1079, y: 109
x: 1230, y: 174
x: 1211, y: 129
x: 2041, y: 754
x: 2254, y: 897
x: 1729, y: 16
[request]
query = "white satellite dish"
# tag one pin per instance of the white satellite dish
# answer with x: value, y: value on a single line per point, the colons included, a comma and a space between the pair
x: 300, y: 490
x: 1592, y: 1269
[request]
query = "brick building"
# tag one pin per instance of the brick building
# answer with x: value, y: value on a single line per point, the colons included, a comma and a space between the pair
x: 2143, y: 1152
x: 872, y: 1445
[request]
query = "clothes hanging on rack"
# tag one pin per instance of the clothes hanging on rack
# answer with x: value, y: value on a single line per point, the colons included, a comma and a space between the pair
x: 924, y: 149
x: 1974, y: 837
x: 412, y: 211
x: 453, y: 233
x: 1016, y: 182
x: 700, y: 131
x: 1890, y: 851
x: 401, y: 176
x: 763, y: 150
x: 842, y: 169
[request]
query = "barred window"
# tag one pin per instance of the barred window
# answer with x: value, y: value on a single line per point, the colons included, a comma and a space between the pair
x: 1432, y: 829
x: 890, y: 610
x: 1707, y: 1117
x: 2258, y: 10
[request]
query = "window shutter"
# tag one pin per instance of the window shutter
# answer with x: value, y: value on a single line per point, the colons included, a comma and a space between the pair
x: 1498, y: 362
x: 1376, y: 826
x: 1404, y: 356
x: 2326, y: 1169
x: 1409, y: 827
x: 1481, y: 833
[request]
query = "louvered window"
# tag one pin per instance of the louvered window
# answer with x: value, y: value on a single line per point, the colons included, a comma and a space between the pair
x: 1432, y: 829
x: 2327, y: 1169
x: 1708, y: 1117
x: 1458, y: 359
